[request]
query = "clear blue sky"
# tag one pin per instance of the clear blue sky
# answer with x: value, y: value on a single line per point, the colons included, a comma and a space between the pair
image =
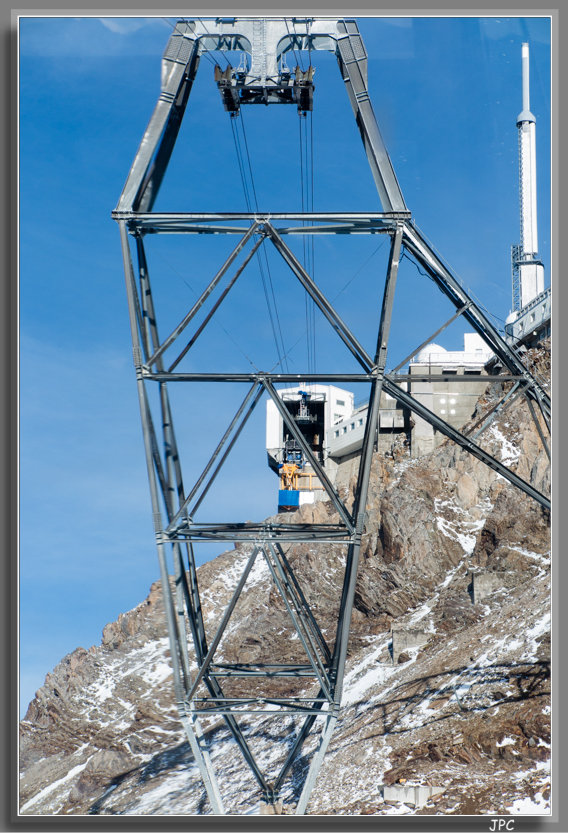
x: 446, y: 92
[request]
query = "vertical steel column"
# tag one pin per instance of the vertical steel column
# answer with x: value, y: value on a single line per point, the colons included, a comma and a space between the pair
x: 200, y: 753
x: 316, y: 763
x: 359, y: 509
x: 348, y: 592
x: 179, y: 66
x: 352, y: 59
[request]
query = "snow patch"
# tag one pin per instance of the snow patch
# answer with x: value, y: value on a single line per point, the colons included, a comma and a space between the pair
x: 508, y: 452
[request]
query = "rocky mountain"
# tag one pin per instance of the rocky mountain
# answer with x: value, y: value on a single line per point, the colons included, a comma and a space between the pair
x: 452, y: 552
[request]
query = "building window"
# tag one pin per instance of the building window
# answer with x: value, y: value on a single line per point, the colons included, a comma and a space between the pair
x: 344, y: 429
x: 340, y: 403
x: 452, y: 401
x: 452, y: 411
x: 352, y: 426
x: 360, y: 422
x: 336, y: 433
x: 443, y: 411
x: 443, y: 401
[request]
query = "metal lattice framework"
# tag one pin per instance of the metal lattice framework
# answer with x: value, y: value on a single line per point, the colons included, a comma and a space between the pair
x: 205, y: 691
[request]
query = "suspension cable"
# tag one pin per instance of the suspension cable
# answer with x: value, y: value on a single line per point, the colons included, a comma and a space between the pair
x: 247, y: 180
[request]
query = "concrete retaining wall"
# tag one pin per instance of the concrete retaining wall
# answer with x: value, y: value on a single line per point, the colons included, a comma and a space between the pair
x: 405, y: 638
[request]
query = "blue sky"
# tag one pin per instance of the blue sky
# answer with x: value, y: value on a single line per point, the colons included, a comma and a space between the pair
x: 446, y: 92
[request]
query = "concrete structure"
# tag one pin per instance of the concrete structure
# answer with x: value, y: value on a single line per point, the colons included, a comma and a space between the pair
x: 404, y: 639
x: 338, y: 426
x: 532, y: 323
x: 484, y: 584
x: 414, y: 795
x: 345, y: 437
x: 451, y: 401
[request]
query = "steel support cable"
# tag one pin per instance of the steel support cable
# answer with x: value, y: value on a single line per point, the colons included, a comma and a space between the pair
x: 305, y: 263
x: 293, y: 38
x: 208, y: 51
x: 244, y: 181
x: 278, y: 329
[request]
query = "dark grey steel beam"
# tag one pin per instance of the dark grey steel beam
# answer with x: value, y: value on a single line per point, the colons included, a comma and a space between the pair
x: 352, y: 59
x: 226, y: 453
x: 205, y: 664
x: 289, y: 538
x: 321, y: 301
x: 487, y: 418
x: 446, y: 429
x: 303, y: 632
x: 179, y: 66
x: 421, y: 249
x: 362, y: 488
x: 216, y: 305
x: 431, y: 338
x: 303, y: 601
x: 210, y: 463
x: 538, y: 428
x: 390, y: 218
x: 453, y: 377
x: 314, y: 462
x: 193, y: 730
x: 203, y: 297
x: 274, y: 378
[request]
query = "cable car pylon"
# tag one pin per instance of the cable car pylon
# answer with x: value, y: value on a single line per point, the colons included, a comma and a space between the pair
x: 204, y: 687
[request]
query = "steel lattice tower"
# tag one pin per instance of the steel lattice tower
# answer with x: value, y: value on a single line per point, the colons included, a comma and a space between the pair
x: 207, y: 691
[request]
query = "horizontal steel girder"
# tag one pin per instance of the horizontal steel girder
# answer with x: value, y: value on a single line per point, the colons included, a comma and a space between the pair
x: 455, y: 435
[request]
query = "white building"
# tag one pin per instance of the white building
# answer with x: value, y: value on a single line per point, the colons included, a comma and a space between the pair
x: 451, y: 400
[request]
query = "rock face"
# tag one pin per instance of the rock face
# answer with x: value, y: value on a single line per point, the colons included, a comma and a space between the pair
x: 467, y: 710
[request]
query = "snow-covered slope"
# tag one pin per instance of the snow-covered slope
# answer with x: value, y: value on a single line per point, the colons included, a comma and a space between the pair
x: 468, y: 711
